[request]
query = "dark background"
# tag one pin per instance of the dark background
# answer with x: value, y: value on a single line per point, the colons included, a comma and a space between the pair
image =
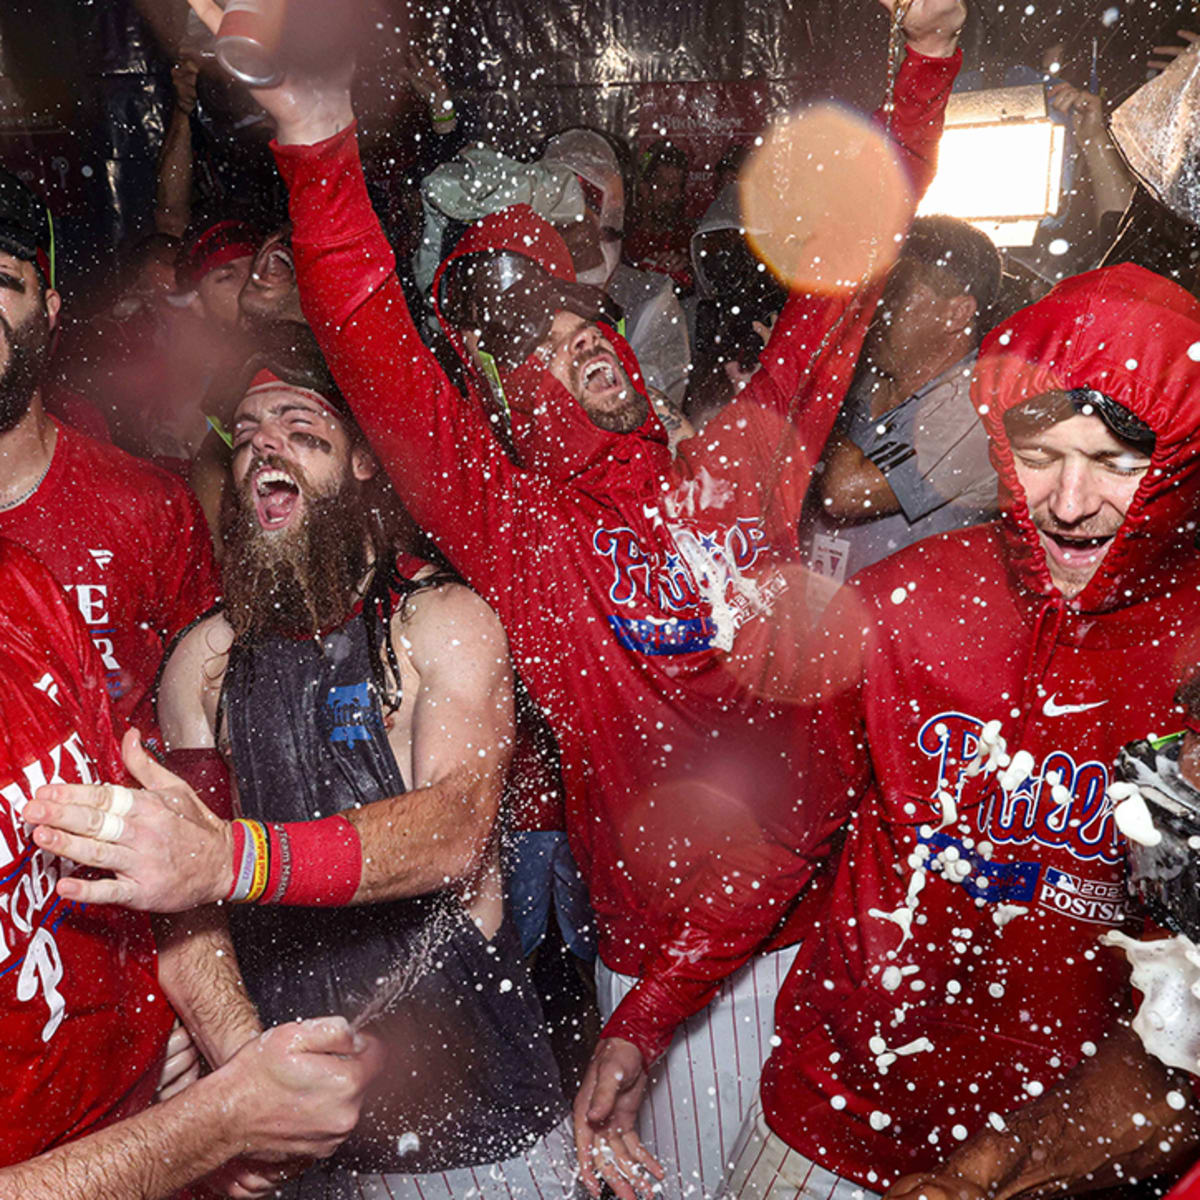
x: 85, y: 89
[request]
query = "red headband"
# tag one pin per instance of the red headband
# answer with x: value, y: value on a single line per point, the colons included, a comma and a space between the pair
x: 266, y: 379
x: 217, y: 245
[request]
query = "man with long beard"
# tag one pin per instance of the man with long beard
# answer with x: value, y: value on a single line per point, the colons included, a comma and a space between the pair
x: 363, y: 701
x: 125, y: 539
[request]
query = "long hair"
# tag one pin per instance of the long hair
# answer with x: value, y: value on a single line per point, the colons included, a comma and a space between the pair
x: 291, y: 353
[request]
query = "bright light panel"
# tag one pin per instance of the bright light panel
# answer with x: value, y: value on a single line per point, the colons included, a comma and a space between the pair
x: 1003, y: 177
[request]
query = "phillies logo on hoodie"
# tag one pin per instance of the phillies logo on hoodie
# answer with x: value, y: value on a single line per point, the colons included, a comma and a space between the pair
x: 700, y: 572
x: 1059, y: 803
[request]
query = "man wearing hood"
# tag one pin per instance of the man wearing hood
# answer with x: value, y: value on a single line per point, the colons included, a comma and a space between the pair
x: 1107, y: 1137
x: 969, y: 696
x: 654, y: 322
x: 635, y: 593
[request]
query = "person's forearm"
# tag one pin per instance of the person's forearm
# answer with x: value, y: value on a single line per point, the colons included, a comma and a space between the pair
x: 147, y: 1157
x: 426, y: 839
x: 198, y: 970
x: 1112, y: 185
x: 173, y: 187
x: 852, y: 487
x: 322, y: 117
x: 1109, y: 1120
x: 417, y: 842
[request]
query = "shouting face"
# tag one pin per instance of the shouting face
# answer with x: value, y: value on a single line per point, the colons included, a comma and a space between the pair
x: 582, y: 359
x: 296, y: 552
x: 271, y: 292
x: 1079, y: 480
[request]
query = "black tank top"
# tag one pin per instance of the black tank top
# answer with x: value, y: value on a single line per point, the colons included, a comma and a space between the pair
x: 470, y: 1077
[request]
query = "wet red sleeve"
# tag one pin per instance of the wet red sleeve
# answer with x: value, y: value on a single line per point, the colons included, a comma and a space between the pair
x: 490, y: 519
x: 787, y: 412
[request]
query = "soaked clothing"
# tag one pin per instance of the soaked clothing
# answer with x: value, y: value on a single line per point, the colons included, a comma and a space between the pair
x: 131, y: 546
x: 85, y: 1022
x: 475, y: 1078
x: 955, y: 970
x: 645, y: 608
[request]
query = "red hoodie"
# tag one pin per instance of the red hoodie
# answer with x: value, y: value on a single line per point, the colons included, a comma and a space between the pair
x: 631, y: 588
x: 1002, y: 986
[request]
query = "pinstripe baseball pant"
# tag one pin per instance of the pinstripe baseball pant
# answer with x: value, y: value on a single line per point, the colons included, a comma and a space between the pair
x: 546, y: 1171
x: 765, y: 1167
x: 702, y: 1088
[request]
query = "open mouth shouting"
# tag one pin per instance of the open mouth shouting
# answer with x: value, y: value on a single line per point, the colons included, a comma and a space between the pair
x: 276, y: 497
x: 600, y: 375
x: 275, y: 269
x: 1073, y: 552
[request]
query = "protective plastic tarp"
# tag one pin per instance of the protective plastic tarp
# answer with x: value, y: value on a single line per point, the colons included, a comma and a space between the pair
x: 1158, y: 131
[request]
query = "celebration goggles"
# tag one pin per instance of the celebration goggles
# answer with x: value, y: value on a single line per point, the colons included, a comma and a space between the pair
x: 511, y: 301
x: 1165, y: 877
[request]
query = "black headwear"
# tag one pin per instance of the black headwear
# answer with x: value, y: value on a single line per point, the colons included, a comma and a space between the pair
x: 1121, y: 423
x: 25, y: 224
x: 512, y: 300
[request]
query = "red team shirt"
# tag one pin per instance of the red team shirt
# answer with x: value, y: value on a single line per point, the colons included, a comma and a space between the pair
x: 84, y: 1021
x: 130, y: 545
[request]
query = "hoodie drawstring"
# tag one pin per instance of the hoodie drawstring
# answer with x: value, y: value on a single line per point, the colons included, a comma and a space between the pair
x: 1046, y: 628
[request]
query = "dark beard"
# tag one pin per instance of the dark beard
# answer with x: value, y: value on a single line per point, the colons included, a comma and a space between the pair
x: 630, y: 415
x: 303, y: 581
x: 27, y: 348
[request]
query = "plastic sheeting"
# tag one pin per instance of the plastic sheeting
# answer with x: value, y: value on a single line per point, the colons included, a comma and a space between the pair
x: 1158, y: 131
x: 83, y: 93
x: 705, y: 73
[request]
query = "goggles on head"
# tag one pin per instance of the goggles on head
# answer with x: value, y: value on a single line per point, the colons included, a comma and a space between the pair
x: 1165, y: 878
x: 511, y: 301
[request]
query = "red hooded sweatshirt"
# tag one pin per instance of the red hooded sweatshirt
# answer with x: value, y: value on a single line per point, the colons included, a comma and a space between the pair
x: 632, y: 589
x: 893, y: 1046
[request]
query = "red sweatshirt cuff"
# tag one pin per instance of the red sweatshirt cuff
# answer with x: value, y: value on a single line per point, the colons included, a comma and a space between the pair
x: 644, y: 1019
x: 331, y: 145
x: 916, y: 56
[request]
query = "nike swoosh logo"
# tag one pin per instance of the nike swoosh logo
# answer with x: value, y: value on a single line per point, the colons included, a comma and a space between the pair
x: 1051, y: 709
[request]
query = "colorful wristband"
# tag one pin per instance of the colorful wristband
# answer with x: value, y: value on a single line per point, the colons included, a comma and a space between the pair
x: 256, y: 833
x: 313, y: 863
x: 444, y: 118
x: 243, y: 864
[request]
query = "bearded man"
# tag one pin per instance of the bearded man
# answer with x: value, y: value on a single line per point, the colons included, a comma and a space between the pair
x: 126, y: 540
x: 362, y: 698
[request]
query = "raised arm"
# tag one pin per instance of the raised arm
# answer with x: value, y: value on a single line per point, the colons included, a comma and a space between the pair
x: 779, y: 425
x: 438, y: 449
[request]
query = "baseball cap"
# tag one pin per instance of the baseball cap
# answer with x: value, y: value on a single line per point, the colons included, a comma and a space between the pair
x: 26, y: 230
